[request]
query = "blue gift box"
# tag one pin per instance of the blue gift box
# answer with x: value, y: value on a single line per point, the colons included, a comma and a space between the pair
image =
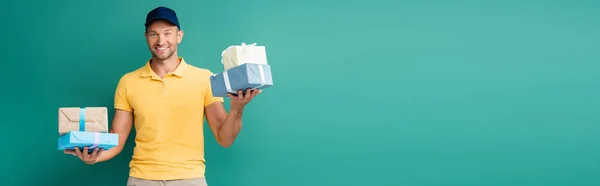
x: 242, y: 77
x: 91, y: 140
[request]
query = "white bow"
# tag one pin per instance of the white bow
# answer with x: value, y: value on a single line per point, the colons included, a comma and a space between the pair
x: 228, y: 58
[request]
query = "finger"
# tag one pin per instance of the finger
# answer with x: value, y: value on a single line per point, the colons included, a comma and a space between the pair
x: 234, y: 96
x: 78, y: 153
x: 230, y: 95
x: 256, y: 92
x: 249, y: 93
x: 85, y: 152
x: 71, y: 152
x: 240, y: 94
x: 95, y: 153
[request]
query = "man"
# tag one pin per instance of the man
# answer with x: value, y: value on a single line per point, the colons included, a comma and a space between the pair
x: 168, y: 99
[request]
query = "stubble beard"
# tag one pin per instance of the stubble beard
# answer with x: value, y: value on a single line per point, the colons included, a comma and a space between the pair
x: 167, y: 57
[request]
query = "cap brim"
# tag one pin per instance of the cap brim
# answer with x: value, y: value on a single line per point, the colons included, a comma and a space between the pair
x: 158, y: 19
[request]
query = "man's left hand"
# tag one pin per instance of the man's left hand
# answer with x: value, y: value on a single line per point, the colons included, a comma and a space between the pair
x: 240, y: 100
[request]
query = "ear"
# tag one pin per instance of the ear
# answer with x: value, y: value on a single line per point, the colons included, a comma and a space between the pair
x: 146, y: 37
x: 179, y: 36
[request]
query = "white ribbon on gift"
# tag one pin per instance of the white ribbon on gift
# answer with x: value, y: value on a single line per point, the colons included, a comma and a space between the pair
x: 228, y: 58
x: 227, y: 83
x: 262, y: 76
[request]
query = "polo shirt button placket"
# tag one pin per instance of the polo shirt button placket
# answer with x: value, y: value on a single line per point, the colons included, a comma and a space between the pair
x: 162, y: 80
x: 165, y: 86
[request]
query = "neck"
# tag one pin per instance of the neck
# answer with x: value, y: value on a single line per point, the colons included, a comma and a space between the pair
x: 162, y: 67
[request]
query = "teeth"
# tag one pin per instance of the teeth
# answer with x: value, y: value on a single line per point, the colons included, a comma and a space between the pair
x: 162, y: 48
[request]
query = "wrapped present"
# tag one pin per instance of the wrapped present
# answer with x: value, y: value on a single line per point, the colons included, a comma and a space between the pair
x: 89, y: 119
x: 92, y: 140
x: 239, y: 54
x: 241, y: 77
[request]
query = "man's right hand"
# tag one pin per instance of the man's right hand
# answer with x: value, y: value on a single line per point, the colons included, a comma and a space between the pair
x: 88, y: 158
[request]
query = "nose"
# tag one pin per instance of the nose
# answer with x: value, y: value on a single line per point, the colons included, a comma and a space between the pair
x: 161, y: 39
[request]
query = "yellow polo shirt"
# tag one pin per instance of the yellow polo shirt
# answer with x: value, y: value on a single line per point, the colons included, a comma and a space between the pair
x: 168, y: 118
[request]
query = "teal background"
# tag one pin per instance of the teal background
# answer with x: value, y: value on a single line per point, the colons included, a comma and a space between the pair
x: 469, y: 93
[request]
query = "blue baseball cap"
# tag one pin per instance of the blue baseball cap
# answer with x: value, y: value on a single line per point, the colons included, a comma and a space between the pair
x: 162, y: 13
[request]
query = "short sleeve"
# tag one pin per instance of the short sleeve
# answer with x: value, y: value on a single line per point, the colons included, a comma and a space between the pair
x: 208, y: 96
x: 121, y: 100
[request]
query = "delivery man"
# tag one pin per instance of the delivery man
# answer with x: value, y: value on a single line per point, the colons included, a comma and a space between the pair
x: 167, y: 99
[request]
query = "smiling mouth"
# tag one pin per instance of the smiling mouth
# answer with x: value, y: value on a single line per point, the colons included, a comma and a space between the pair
x: 160, y: 49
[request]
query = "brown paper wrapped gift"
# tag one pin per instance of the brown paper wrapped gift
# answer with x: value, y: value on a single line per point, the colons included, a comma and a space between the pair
x: 95, y: 119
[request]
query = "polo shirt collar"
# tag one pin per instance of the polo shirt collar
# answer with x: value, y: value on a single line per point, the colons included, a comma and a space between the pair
x: 148, y: 72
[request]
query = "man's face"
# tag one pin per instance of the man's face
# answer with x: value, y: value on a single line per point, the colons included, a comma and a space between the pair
x: 163, y: 38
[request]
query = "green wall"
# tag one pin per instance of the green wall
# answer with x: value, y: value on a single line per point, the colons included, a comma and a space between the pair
x: 465, y: 93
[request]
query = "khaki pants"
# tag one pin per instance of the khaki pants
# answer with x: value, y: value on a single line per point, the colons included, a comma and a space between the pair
x: 132, y: 181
